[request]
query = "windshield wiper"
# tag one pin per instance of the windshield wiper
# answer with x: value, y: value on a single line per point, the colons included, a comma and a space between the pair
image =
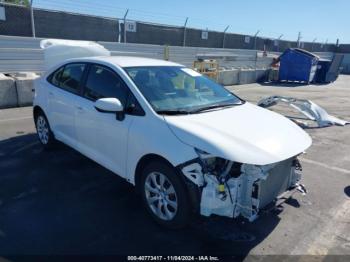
x: 212, y: 107
x: 173, y: 112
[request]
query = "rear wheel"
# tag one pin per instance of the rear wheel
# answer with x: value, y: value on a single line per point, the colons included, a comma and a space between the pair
x: 164, y: 195
x: 43, y: 130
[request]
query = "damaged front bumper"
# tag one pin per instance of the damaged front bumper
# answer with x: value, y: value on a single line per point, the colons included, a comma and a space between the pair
x: 242, y: 189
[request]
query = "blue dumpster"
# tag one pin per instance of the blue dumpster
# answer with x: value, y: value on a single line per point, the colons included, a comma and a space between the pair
x: 297, y: 65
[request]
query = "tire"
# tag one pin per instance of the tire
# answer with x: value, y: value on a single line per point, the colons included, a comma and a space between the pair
x: 164, y: 195
x: 43, y: 130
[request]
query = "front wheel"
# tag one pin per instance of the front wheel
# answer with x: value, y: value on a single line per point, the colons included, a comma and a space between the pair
x: 43, y: 130
x: 164, y: 195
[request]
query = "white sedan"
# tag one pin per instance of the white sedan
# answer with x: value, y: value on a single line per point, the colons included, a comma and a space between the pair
x: 186, y: 143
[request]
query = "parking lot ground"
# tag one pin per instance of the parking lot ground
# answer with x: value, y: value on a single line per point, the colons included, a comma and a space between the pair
x: 60, y: 202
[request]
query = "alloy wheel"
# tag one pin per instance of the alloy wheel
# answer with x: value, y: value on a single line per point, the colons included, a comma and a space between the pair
x: 42, y: 129
x: 161, y: 196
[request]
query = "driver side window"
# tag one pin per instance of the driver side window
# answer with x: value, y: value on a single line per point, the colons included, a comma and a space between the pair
x: 102, y: 82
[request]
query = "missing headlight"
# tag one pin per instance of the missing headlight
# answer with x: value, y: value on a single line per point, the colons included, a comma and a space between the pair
x: 218, y: 166
x: 211, y: 164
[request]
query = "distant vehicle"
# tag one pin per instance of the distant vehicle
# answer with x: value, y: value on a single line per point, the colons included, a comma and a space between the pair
x: 186, y: 143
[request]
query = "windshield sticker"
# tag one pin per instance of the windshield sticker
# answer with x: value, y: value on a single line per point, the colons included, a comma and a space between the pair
x: 191, y: 72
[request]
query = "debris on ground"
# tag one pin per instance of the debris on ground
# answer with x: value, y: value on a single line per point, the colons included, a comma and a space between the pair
x: 308, y: 108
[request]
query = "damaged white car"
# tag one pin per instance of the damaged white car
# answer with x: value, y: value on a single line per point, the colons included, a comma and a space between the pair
x: 186, y: 143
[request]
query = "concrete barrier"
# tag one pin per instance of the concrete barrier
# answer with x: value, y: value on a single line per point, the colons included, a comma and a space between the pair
x: 8, y: 95
x: 261, y: 75
x: 228, y: 77
x: 24, y: 87
x: 242, y: 76
x: 247, y: 76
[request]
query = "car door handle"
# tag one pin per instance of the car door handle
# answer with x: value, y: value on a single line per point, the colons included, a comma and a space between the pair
x: 79, y: 108
x: 51, y: 94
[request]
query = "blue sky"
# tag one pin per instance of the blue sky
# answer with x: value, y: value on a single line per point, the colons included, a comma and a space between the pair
x: 321, y: 19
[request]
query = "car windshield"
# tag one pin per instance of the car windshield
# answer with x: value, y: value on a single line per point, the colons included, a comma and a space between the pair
x: 180, y: 90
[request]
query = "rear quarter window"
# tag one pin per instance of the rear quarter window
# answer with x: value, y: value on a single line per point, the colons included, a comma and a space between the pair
x: 54, y: 77
x: 68, y: 77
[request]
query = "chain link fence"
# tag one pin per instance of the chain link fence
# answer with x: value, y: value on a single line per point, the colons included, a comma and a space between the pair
x: 65, y: 25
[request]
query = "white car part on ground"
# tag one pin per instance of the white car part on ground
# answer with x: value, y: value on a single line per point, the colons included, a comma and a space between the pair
x: 58, y: 50
x: 308, y: 108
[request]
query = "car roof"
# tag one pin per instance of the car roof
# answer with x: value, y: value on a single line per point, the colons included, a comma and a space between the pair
x: 127, y: 61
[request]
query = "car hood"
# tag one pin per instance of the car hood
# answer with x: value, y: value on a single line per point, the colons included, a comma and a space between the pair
x: 244, y: 133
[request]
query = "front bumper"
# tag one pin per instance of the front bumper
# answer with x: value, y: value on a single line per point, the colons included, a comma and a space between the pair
x: 245, y: 194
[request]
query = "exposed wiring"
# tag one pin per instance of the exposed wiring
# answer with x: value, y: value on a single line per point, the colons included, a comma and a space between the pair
x: 229, y: 192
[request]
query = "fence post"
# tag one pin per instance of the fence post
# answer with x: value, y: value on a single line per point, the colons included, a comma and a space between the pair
x: 32, y: 18
x: 255, y: 36
x: 223, y: 40
x: 337, y: 45
x: 278, y: 42
x: 126, y: 13
x: 313, y: 43
x: 298, y: 41
x: 325, y: 45
x: 119, y: 31
x: 184, y: 39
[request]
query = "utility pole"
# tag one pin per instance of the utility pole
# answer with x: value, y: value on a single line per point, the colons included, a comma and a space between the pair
x: 32, y: 18
x: 298, y: 41
x: 255, y: 36
x: 126, y: 13
x: 223, y: 40
x: 313, y: 43
x: 184, y: 40
x: 325, y: 44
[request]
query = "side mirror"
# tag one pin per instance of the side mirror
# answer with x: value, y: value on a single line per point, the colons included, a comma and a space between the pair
x: 109, y: 105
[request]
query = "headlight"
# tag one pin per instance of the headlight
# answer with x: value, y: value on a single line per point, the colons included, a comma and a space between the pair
x: 210, y: 163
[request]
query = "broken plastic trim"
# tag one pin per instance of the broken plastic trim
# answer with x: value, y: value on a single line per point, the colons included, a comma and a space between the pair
x: 308, y: 108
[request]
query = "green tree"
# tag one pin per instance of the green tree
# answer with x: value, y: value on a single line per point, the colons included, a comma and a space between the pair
x: 17, y: 2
